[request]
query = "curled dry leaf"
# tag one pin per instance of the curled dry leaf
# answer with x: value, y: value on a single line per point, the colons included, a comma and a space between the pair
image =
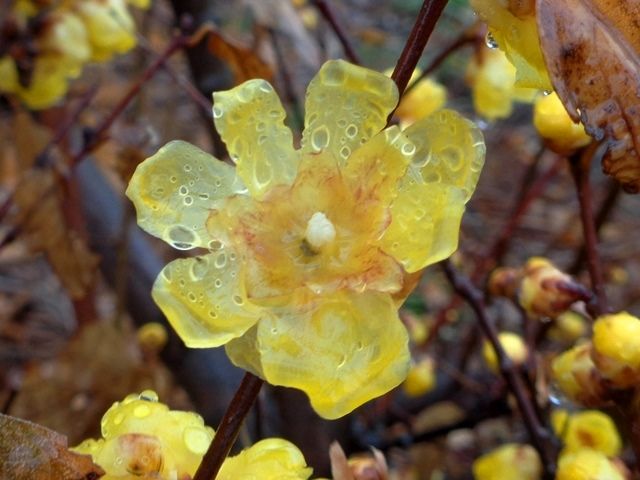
x: 592, y: 52
x: 31, y: 452
x: 41, y: 220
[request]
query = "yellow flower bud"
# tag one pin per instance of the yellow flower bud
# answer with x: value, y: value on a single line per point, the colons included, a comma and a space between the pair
x: 546, y: 291
x: 512, y: 460
x: 616, y: 348
x: 505, y: 282
x: 152, y: 336
x: 588, y: 429
x: 554, y: 125
x: 421, y: 100
x: 587, y: 464
x: 513, y: 346
x: 576, y: 375
x: 568, y: 327
x: 421, y: 378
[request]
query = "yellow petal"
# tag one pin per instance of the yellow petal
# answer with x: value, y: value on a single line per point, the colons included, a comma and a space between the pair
x: 346, y: 105
x: 342, y: 350
x: 425, y: 222
x: 204, y: 299
x: 250, y: 120
x: 270, y: 459
x: 109, y: 25
x: 450, y: 150
x: 373, y: 171
x: 174, y: 190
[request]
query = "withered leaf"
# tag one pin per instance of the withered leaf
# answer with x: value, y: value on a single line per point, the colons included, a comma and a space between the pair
x: 592, y: 52
x: 243, y: 61
x: 42, y: 222
x: 31, y: 452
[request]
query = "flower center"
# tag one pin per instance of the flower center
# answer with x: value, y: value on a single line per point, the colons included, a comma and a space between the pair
x: 320, y: 231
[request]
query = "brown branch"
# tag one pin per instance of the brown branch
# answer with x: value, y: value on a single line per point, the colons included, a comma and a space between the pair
x: 540, y: 437
x: 423, y: 28
x: 580, y: 164
x: 229, y: 427
x: 328, y: 14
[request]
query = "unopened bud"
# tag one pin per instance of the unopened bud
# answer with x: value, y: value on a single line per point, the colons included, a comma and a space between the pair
x: 616, y: 349
x: 576, y: 375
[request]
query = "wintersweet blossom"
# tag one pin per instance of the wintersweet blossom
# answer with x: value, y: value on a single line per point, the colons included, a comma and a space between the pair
x: 310, y: 250
x: 143, y: 439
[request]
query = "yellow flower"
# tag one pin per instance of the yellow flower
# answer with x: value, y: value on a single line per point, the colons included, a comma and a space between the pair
x: 109, y: 25
x: 514, y: 347
x: 509, y: 461
x: 143, y: 439
x: 616, y: 348
x: 309, y: 249
x: 568, y: 327
x: 421, y: 100
x: 421, y: 378
x: 577, y: 376
x: 492, y: 78
x: 587, y: 429
x: 554, y: 125
x: 587, y: 464
x: 516, y: 33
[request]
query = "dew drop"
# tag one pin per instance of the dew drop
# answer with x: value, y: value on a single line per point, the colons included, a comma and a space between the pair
x: 213, y: 314
x: 183, y: 190
x: 215, y: 245
x: 217, y: 283
x: 181, y: 237
x: 187, y: 168
x: 199, y: 268
x: 261, y: 126
x: 141, y: 411
x: 408, y: 149
x: 192, y: 297
x: 117, y: 420
x: 196, y: 440
x: 452, y: 157
x: 351, y: 131
x: 345, y: 152
x: 320, y: 138
x: 262, y: 173
x: 490, y: 41
x: 187, y: 200
x: 173, y: 179
x: 221, y: 260
x: 203, y: 196
x: 217, y: 112
x: 237, y: 299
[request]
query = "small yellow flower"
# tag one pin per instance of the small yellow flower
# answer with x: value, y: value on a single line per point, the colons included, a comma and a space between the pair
x: 493, y: 88
x: 568, y: 327
x: 152, y: 337
x: 576, y: 375
x: 616, y: 348
x: 421, y: 378
x: 554, y: 125
x: 421, y: 100
x: 509, y: 461
x: 587, y: 464
x: 514, y: 347
x: 516, y: 33
x: 109, y: 25
x: 311, y: 251
x: 142, y: 438
x: 587, y: 429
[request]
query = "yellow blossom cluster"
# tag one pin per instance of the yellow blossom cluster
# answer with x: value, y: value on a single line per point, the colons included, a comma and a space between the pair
x: 610, y: 361
x: 509, y: 461
x: 143, y: 439
x: 309, y: 251
x: 39, y: 58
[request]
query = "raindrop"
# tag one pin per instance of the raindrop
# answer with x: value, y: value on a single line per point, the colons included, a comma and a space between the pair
x: 452, y: 157
x: 181, y: 237
x: 196, y: 440
x: 188, y: 201
x: 217, y: 112
x: 141, y: 411
x: 320, y: 138
x: 221, y: 260
x: 237, y: 299
x: 187, y: 168
x: 490, y: 41
x: 215, y: 245
x: 408, y: 149
x: 183, y: 190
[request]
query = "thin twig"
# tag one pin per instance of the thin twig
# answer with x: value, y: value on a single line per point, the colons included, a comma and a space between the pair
x: 580, y: 164
x: 229, y: 427
x: 423, y: 28
x: 541, y: 439
x: 328, y: 14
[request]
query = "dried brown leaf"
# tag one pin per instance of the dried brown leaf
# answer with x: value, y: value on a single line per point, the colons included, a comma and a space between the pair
x: 31, y: 452
x: 243, y: 61
x: 42, y: 222
x: 592, y: 52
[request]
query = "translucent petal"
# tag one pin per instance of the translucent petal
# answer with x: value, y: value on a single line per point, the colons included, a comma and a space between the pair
x: 270, y: 459
x: 450, y: 150
x: 373, y: 171
x: 174, y: 190
x: 250, y: 120
x: 204, y: 299
x: 346, y: 105
x: 342, y: 350
x: 425, y: 222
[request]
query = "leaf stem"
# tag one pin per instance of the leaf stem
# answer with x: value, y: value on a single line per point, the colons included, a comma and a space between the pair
x: 229, y: 427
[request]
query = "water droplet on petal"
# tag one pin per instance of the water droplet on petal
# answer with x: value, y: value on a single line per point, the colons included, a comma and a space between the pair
x: 181, y: 237
x: 196, y: 439
x: 221, y: 260
x: 490, y: 41
x: 320, y: 138
x: 141, y: 411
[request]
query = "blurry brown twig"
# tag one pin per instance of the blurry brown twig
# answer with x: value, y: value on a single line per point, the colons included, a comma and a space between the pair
x: 327, y: 12
x: 580, y: 163
x: 541, y: 438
